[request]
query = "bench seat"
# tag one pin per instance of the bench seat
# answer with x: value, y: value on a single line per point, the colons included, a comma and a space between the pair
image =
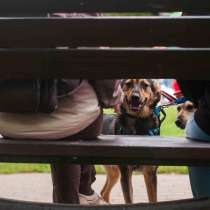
x: 108, y: 149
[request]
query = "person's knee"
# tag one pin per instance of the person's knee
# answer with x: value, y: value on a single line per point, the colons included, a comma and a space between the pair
x: 194, y: 131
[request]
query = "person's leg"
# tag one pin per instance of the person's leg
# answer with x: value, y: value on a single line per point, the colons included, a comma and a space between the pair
x: 66, y: 181
x: 87, y: 178
x: 87, y: 196
x: 70, y: 180
x: 86, y: 193
x: 199, y: 176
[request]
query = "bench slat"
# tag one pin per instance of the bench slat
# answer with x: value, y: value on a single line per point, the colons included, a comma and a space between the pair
x: 106, y: 31
x: 186, y: 204
x: 105, y: 63
x: 109, y: 149
x: 14, y: 7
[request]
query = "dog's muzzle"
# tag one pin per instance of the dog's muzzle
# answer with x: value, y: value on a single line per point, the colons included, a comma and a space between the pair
x: 180, y: 124
x: 136, y: 103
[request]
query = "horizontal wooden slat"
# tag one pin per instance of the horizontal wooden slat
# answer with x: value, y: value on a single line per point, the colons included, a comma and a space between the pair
x: 105, y: 31
x: 104, y: 63
x: 185, y: 204
x: 109, y: 149
x: 8, y: 7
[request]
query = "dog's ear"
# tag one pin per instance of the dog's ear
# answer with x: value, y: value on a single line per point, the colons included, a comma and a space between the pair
x: 156, y: 91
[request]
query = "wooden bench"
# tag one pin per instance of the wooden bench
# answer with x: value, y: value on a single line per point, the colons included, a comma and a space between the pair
x: 34, y: 47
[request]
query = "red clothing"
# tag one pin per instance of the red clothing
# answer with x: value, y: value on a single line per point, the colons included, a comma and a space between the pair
x: 175, y: 86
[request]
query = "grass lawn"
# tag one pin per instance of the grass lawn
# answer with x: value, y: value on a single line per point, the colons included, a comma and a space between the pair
x: 168, y: 128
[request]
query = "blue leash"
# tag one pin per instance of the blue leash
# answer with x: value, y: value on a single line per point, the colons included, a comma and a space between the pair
x: 180, y: 100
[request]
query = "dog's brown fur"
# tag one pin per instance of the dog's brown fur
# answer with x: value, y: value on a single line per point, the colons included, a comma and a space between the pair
x: 185, y: 110
x: 149, y: 92
x: 149, y: 95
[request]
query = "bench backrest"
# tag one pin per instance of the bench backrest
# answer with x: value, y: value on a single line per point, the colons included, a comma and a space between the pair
x: 32, y: 45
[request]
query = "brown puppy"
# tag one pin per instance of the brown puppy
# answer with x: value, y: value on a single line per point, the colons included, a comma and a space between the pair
x: 185, y: 110
x: 136, y: 118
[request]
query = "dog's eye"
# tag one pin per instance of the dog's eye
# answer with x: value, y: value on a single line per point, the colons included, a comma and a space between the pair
x: 144, y: 85
x: 189, y: 107
x: 129, y: 84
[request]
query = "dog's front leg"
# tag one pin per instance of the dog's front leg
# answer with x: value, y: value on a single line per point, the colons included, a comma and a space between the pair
x: 126, y: 182
x: 150, y: 177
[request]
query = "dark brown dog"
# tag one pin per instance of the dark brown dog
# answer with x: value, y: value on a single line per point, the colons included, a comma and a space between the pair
x: 185, y: 110
x: 136, y: 118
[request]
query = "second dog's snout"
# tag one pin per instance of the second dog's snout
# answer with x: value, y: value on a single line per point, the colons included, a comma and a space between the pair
x: 179, y: 124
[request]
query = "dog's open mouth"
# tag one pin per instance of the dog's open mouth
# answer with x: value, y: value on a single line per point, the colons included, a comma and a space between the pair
x: 137, y: 105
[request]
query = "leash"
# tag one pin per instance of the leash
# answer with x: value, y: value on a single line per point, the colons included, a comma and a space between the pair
x: 172, y: 100
x: 160, y: 109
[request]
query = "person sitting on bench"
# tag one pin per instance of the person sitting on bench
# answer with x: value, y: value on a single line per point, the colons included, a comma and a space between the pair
x: 198, y: 128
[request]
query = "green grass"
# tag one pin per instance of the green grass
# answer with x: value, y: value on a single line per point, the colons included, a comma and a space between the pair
x: 168, y: 128
x: 10, y: 168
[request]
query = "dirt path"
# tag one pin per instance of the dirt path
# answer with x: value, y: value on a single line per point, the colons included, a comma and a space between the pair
x: 37, y: 187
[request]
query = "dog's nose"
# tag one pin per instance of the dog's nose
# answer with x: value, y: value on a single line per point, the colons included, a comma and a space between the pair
x: 179, y: 124
x: 135, y: 98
